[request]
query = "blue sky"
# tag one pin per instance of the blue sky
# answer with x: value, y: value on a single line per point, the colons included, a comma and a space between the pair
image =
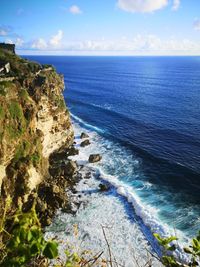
x: 102, y: 27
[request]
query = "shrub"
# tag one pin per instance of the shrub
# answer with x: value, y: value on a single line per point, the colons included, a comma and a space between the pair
x: 15, y: 110
x: 2, y: 113
x: 23, y: 94
x: 169, y: 260
x: 25, y: 241
x: 22, y: 150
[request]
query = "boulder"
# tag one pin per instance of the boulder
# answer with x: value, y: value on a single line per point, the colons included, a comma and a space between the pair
x: 87, y: 175
x: 94, y: 158
x: 70, y: 168
x: 84, y: 135
x: 72, y: 151
x: 85, y: 143
x: 103, y: 187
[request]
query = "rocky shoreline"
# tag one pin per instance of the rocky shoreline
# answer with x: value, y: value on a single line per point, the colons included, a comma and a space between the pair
x: 36, y: 139
x: 93, y: 203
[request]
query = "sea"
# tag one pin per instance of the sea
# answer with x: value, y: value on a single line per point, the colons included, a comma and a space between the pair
x: 143, y: 113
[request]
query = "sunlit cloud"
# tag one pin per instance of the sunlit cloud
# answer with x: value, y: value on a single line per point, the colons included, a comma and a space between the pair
x: 39, y: 44
x: 142, y: 6
x: 75, y: 10
x: 176, y: 5
x: 196, y: 24
x: 56, y: 39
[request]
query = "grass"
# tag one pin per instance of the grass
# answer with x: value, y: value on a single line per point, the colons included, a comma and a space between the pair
x: 2, y: 113
x: 23, y: 94
x: 4, y: 86
x: 15, y: 110
x: 22, y: 150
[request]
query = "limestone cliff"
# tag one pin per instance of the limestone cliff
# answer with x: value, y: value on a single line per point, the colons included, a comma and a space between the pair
x: 34, y: 123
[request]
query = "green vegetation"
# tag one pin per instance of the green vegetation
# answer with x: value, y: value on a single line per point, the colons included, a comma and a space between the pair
x: 4, y: 86
x: 25, y: 242
x: 22, y: 244
x: 2, y: 113
x: 17, y: 122
x: 22, y: 150
x: 23, y: 94
x: 33, y: 66
x: 59, y: 102
x: 15, y: 110
x: 19, y: 67
x: 46, y: 66
x: 168, y: 258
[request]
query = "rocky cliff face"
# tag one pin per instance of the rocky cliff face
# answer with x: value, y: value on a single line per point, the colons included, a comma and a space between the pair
x: 34, y: 123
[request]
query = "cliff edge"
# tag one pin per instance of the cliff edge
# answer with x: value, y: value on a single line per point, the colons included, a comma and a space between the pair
x: 35, y: 129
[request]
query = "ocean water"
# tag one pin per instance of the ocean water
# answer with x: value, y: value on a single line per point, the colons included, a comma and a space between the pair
x: 145, y: 111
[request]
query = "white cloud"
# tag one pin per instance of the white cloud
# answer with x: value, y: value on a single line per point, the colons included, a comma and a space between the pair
x: 197, y: 24
x: 5, y: 30
x: 75, y: 10
x: 142, y: 6
x: 138, y: 45
x: 19, y: 42
x: 9, y: 41
x: 39, y: 44
x: 56, y: 39
x: 176, y: 5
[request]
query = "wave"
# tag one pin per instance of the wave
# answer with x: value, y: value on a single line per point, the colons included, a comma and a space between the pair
x: 147, y: 215
x: 172, y: 172
x: 151, y: 127
x: 87, y: 125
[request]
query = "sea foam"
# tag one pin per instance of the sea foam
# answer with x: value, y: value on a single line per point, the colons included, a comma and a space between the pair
x: 148, y: 215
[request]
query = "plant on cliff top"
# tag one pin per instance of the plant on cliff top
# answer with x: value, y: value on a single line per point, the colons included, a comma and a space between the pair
x: 24, y: 242
x: 168, y: 258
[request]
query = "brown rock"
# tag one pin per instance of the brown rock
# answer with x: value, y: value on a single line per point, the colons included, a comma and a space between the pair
x: 84, y: 135
x: 103, y: 187
x: 94, y: 158
x: 85, y: 143
x: 70, y: 168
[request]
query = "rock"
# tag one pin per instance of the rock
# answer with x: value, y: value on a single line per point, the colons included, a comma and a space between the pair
x: 73, y: 151
x: 94, y: 158
x: 70, y: 168
x: 103, y: 187
x: 48, y: 221
x: 41, y: 206
x: 85, y: 143
x: 55, y: 189
x: 87, y: 175
x: 84, y: 135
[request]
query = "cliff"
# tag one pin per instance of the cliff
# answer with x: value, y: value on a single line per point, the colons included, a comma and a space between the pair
x: 35, y: 129
x: 8, y: 47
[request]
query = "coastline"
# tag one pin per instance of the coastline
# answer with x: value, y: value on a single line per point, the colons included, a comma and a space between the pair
x: 92, y: 210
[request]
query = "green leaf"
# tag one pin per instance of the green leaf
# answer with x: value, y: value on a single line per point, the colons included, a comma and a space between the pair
x: 29, y: 236
x: 22, y: 234
x: 196, y: 245
x: 187, y: 250
x: 171, y: 238
x: 172, y: 248
x: 51, y: 250
x: 35, y: 249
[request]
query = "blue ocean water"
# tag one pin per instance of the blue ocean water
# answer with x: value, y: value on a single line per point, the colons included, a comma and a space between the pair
x: 148, y: 107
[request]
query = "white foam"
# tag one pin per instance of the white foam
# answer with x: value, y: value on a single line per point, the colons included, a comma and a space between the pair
x: 76, y: 118
x: 148, y: 214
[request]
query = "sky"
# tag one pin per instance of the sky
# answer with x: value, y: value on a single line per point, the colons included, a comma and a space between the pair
x: 101, y: 27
